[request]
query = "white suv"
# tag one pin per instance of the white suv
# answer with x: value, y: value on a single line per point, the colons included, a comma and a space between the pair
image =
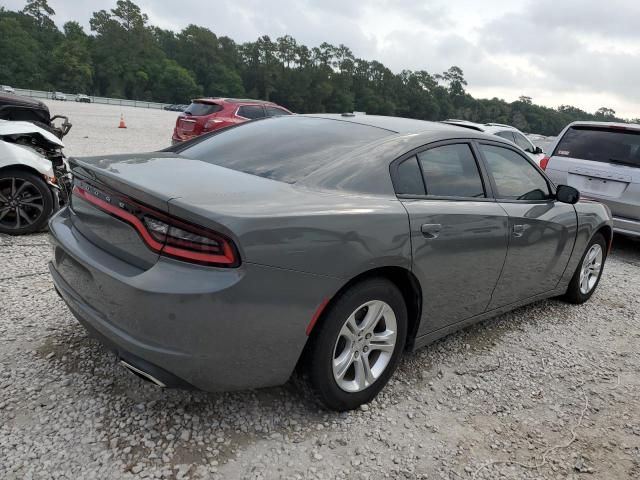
x: 505, y: 131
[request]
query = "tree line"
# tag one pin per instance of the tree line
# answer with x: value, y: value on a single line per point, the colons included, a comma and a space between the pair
x: 123, y: 56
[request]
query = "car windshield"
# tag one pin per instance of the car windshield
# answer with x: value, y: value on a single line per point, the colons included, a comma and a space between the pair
x: 284, y: 148
x: 199, y: 109
x: 601, y: 144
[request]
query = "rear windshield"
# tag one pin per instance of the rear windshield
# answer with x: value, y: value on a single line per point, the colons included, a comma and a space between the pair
x: 199, y: 109
x: 601, y: 145
x: 285, y: 148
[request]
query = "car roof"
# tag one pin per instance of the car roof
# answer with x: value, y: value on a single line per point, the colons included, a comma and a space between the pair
x: 361, y: 166
x: 20, y: 101
x: 233, y: 100
x: 366, y: 169
x: 615, y: 125
x: 398, y: 125
x: 482, y: 127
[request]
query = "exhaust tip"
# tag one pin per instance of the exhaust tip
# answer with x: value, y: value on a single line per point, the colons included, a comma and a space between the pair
x: 142, y: 374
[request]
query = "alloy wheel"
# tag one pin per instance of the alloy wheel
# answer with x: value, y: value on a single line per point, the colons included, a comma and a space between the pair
x: 591, y: 267
x: 364, y: 346
x: 21, y: 203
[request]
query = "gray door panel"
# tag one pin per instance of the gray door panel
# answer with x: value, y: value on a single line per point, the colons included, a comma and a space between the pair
x: 459, y: 248
x: 541, y: 238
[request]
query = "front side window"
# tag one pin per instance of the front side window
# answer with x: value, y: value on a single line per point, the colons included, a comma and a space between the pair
x: 514, y: 176
x: 451, y: 171
x: 522, y: 142
x: 251, y: 111
x: 506, y: 134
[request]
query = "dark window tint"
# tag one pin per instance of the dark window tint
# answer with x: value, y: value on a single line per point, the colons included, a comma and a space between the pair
x: 287, y: 150
x: 451, y: 171
x: 601, y: 145
x: 514, y: 176
x: 198, y: 109
x: 408, y: 179
x: 276, y: 112
x: 251, y: 111
x: 522, y: 142
x: 507, y: 135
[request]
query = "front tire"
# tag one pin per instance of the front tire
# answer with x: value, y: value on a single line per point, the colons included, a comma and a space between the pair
x: 587, y: 276
x: 357, y: 346
x: 25, y: 202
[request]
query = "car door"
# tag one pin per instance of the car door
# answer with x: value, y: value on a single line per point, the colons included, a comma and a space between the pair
x: 541, y: 230
x: 458, y: 233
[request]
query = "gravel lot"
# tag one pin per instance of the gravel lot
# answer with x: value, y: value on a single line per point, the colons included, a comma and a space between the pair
x: 95, y: 128
x: 548, y: 391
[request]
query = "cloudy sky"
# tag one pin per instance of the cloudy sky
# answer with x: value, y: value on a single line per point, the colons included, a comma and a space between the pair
x: 579, y: 52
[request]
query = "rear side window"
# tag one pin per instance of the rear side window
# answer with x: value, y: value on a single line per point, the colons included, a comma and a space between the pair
x: 275, y: 112
x: 408, y: 178
x: 514, y: 176
x: 251, y: 111
x: 200, y: 109
x: 601, y: 145
x: 451, y: 171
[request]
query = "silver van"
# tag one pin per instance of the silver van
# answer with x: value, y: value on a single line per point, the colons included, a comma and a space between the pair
x: 602, y: 160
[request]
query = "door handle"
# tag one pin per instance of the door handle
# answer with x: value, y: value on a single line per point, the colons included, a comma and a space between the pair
x: 431, y: 230
x: 518, y: 230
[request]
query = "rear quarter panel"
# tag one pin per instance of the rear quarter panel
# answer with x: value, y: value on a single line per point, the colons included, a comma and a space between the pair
x: 318, y: 232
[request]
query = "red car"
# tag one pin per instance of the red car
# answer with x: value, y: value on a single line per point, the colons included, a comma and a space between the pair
x: 209, y: 114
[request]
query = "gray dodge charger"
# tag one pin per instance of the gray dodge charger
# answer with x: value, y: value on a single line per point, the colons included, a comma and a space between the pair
x: 328, y: 242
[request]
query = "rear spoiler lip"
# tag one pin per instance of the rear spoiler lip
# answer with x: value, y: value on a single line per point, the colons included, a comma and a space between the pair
x: 117, y: 185
x: 456, y: 124
x: 208, y: 101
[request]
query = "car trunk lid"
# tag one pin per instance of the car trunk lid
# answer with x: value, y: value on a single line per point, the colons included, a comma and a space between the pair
x: 159, y: 181
x: 103, y: 178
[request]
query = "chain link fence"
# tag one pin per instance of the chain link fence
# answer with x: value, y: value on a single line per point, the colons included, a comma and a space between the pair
x: 103, y: 100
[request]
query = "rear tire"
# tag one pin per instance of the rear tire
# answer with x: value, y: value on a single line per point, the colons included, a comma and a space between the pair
x: 357, y: 346
x: 587, y: 276
x: 25, y: 202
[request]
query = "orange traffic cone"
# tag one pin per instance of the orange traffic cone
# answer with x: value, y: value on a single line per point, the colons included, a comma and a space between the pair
x: 122, y: 124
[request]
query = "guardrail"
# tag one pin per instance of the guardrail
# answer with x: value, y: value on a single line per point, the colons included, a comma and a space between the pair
x: 103, y: 100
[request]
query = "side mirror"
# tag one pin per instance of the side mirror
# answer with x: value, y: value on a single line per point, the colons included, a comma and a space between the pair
x: 567, y: 194
x: 537, y: 150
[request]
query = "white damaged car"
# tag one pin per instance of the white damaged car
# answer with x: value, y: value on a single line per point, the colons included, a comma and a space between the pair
x: 32, y: 176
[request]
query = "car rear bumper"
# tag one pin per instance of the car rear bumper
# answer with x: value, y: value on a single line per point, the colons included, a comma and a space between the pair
x: 626, y: 226
x: 188, y: 325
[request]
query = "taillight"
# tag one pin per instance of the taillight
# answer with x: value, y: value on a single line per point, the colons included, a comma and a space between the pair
x: 163, y: 234
x: 544, y: 162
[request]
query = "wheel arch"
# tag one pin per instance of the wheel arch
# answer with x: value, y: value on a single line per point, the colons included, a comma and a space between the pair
x: 607, y: 232
x: 21, y: 167
x: 404, y: 280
